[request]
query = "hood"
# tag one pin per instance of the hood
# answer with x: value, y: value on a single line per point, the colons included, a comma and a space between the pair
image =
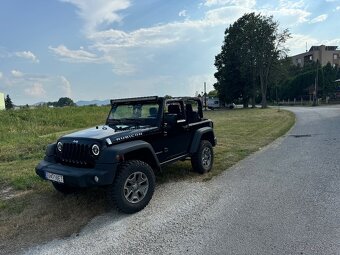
x: 103, y: 132
x: 99, y: 132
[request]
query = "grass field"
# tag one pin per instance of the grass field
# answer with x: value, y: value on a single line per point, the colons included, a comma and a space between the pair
x: 29, y: 206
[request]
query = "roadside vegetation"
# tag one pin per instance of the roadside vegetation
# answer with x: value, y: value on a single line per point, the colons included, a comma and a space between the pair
x: 31, y: 211
x: 253, y: 66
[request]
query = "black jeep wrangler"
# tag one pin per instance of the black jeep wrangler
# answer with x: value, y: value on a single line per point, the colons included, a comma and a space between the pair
x: 141, y: 135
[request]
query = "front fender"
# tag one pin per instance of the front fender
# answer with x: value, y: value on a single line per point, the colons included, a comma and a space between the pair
x: 112, y: 153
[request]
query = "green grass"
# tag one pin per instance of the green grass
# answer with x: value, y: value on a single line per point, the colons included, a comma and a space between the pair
x: 239, y: 133
x: 24, y: 135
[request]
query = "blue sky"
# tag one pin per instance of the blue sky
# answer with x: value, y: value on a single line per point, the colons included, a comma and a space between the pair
x: 101, y: 49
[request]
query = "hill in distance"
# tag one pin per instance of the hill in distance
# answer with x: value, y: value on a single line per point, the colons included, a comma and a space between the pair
x: 93, y: 102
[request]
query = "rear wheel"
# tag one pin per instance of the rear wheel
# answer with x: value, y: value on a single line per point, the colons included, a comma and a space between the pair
x: 133, y: 186
x: 202, y: 161
x: 62, y: 188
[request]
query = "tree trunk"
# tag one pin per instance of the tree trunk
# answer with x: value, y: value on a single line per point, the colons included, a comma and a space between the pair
x: 263, y: 92
x: 245, y: 102
x: 253, y: 93
x: 264, y: 100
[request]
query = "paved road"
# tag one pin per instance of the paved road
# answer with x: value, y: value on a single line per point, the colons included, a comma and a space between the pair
x: 284, y: 199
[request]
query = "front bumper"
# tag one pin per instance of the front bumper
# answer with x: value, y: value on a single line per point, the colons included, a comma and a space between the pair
x: 79, y: 177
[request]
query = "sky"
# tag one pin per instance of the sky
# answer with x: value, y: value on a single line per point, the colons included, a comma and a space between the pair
x: 104, y: 49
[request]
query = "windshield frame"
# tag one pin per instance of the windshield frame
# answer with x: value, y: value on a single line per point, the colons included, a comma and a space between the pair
x: 139, y: 121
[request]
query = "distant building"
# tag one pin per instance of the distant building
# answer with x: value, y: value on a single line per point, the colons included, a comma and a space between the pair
x: 323, y: 54
x: 2, y: 101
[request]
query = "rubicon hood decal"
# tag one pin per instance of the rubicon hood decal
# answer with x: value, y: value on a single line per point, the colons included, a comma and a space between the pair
x: 103, y: 132
x: 124, y: 137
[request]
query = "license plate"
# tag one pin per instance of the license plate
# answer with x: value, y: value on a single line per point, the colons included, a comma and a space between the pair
x: 54, y: 177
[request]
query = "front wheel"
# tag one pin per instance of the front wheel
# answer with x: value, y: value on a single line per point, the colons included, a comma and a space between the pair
x: 133, y: 186
x: 202, y: 161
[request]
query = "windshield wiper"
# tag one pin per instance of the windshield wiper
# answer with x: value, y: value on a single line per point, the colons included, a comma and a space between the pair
x: 114, y: 121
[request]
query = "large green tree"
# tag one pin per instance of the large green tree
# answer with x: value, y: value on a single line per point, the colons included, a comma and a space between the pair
x: 252, y: 47
x: 65, y: 101
x: 8, y: 103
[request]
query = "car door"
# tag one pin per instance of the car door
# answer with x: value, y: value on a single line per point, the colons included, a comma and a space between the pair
x: 176, y: 136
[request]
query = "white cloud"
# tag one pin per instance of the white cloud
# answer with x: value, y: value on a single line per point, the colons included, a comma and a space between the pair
x: 292, y: 4
x: 27, y: 55
x: 1, y: 75
x: 31, y: 87
x: 166, y: 33
x: 97, y: 12
x: 123, y: 69
x: 74, y: 55
x: 288, y: 13
x: 120, y: 67
x: 66, y: 86
x: 36, y: 90
x: 319, y: 18
x: 120, y: 47
x: 289, y: 16
x: 297, y: 44
x: 337, y: 8
x: 17, y: 74
x: 182, y: 13
x: 244, y: 3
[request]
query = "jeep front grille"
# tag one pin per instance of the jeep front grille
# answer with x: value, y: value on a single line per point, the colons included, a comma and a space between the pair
x: 76, y: 155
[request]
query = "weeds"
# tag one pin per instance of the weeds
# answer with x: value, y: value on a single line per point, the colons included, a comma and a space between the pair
x: 24, y: 135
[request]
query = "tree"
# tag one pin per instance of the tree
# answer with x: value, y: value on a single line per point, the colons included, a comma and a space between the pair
x: 252, y: 46
x: 299, y: 82
x: 269, y: 49
x: 231, y: 83
x: 65, y: 101
x: 212, y: 93
x: 8, y: 103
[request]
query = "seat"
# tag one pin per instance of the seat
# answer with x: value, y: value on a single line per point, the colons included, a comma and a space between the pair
x: 174, y: 109
x: 153, y: 112
x: 191, y: 115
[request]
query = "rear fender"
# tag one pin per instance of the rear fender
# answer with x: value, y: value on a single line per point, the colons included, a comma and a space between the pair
x: 205, y: 133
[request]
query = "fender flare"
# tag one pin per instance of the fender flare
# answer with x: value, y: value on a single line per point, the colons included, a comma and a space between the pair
x: 198, y: 137
x: 111, y: 153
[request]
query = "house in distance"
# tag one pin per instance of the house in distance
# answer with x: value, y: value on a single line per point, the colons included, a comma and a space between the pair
x: 323, y: 54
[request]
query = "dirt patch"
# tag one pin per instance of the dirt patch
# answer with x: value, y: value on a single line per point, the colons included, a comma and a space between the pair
x: 7, y: 193
x: 38, y: 217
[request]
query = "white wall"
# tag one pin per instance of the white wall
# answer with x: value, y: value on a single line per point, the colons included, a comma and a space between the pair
x: 2, y: 101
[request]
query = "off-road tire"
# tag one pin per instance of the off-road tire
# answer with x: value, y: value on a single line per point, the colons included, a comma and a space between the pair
x: 118, y: 192
x: 202, y: 161
x: 64, y: 189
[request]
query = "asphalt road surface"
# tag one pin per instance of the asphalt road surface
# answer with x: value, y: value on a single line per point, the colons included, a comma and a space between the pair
x: 284, y: 199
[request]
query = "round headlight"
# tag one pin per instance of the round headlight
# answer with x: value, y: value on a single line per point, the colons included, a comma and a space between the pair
x: 95, y: 149
x: 60, y: 146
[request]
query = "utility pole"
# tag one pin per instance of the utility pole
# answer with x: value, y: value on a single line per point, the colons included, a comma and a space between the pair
x: 205, y: 96
x: 277, y: 100
x: 315, y: 101
x: 317, y: 82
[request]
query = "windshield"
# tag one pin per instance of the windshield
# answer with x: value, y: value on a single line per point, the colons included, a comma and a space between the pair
x: 142, y: 113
